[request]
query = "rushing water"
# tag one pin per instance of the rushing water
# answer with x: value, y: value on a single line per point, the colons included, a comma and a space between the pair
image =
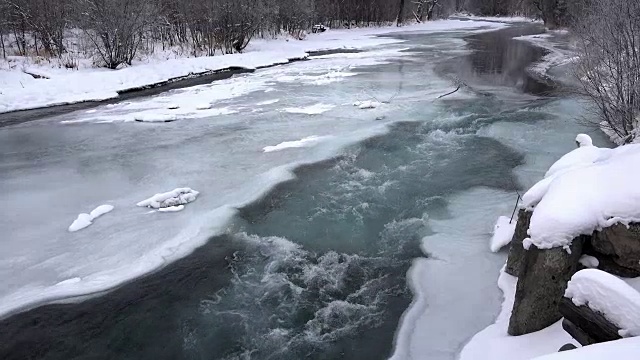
x: 317, y: 268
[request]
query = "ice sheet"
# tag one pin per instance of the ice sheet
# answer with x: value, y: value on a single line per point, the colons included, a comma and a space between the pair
x: 451, y: 286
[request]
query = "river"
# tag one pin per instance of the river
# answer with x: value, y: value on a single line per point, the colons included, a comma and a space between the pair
x: 389, y: 214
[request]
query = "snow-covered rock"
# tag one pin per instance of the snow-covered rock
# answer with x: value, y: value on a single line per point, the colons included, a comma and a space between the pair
x: 173, y: 198
x: 585, y: 194
x: 503, y: 232
x: 83, y: 220
x: 607, y: 294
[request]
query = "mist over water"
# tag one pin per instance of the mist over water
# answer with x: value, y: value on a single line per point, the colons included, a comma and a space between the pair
x: 318, y: 267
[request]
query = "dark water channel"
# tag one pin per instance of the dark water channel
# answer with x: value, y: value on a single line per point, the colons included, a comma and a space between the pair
x: 317, y: 269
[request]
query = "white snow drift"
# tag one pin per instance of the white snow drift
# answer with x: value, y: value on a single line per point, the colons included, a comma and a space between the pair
x: 85, y: 220
x: 170, y: 200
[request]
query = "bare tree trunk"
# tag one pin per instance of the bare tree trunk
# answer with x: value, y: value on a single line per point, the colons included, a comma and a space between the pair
x: 400, y: 17
x: 4, y: 51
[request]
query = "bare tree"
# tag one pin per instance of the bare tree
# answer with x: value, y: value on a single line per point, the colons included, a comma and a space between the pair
x: 114, y: 27
x: 609, y: 63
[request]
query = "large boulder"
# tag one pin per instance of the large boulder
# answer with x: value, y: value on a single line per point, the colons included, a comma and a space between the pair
x: 516, y: 250
x: 542, y: 281
x: 621, y: 244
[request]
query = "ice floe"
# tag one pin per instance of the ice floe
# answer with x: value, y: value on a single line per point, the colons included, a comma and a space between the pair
x: 170, y: 199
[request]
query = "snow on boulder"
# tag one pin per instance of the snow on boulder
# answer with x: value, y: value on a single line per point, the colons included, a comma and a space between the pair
x: 587, y: 197
x: 83, y: 220
x: 367, y: 104
x: 584, y: 140
x: 585, y: 154
x: 502, y: 233
x: 608, y: 295
x: 173, y: 198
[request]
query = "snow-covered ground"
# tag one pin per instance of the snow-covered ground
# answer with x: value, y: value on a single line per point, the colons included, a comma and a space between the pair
x: 79, y: 160
x: 19, y: 91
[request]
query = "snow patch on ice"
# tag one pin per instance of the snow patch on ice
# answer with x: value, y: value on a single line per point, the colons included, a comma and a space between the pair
x: 84, y: 220
x: 608, y: 295
x: 367, y: 104
x: 304, y: 142
x: 502, y: 233
x: 322, y: 79
x: 172, y: 208
x: 311, y: 109
x: 173, y: 198
x: 101, y: 210
x: 268, y: 102
x: 81, y: 222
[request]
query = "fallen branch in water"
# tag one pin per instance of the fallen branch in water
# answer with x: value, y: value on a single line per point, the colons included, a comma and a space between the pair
x: 449, y: 93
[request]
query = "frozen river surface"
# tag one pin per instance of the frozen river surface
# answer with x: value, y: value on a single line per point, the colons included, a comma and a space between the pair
x: 312, y: 211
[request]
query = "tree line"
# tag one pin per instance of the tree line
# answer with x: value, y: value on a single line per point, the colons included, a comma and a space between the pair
x: 116, y: 30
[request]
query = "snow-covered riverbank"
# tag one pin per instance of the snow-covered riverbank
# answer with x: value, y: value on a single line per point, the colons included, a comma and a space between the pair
x: 20, y: 91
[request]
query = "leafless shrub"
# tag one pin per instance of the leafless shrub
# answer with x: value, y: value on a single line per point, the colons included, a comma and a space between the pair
x: 115, y: 27
x: 608, y: 69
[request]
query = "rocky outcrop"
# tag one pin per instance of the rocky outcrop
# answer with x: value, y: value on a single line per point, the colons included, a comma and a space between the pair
x: 543, y: 274
x: 621, y: 244
x: 516, y: 250
x: 542, y: 280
